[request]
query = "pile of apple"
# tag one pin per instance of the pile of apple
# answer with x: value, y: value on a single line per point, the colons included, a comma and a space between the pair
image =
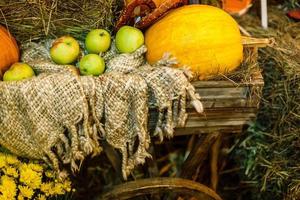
x: 65, y: 51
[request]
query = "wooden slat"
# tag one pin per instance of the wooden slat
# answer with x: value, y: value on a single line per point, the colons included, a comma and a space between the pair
x: 228, y: 106
x: 214, y: 157
x: 229, y: 103
x: 219, y: 115
x: 216, y: 122
x: 223, y: 93
x: 206, y: 130
x: 224, y: 84
x: 197, y: 156
x: 114, y: 158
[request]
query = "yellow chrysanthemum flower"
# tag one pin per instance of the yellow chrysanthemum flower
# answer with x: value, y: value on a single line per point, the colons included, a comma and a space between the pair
x: 26, y: 191
x: 35, y: 167
x: 20, y: 197
x: 46, y: 188
x: 2, y: 161
x: 58, y: 189
x: 10, y: 171
x: 41, y: 197
x: 12, y: 160
x: 67, y: 185
x: 30, y: 177
x: 8, y: 187
x: 2, y: 197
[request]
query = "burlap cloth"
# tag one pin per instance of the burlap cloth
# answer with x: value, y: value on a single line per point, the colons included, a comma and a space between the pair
x: 60, y: 117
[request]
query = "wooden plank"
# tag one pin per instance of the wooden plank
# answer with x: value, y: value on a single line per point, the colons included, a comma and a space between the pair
x: 214, y: 157
x: 224, y: 84
x: 217, y: 122
x: 213, y: 119
x: 207, y: 130
x: 214, y: 111
x: 220, y: 115
x: 223, y: 93
x: 228, y: 103
x: 197, y: 156
x: 226, y: 110
x: 114, y: 158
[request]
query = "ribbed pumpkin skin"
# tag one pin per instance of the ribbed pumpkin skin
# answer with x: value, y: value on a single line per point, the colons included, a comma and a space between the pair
x: 9, y: 51
x: 204, y: 38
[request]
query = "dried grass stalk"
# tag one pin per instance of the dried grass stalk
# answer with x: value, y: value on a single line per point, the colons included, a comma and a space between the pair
x: 35, y: 19
x: 270, y: 152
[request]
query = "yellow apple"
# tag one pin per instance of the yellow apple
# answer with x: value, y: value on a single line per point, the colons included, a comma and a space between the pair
x: 97, y: 40
x: 18, y: 71
x: 129, y: 39
x: 92, y: 64
x: 64, y: 50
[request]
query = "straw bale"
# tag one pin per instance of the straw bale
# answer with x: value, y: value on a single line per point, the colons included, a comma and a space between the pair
x: 36, y: 19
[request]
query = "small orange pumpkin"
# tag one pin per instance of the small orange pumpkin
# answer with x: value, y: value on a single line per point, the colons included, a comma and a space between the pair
x: 9, y: 50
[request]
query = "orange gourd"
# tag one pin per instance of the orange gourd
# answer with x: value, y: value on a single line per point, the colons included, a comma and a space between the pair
x: 9, y: 51
x: 204, y: 38
x: 236, y: 6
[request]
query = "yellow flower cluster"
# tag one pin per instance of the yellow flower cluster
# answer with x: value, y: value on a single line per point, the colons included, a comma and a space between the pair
x: 27, y: 180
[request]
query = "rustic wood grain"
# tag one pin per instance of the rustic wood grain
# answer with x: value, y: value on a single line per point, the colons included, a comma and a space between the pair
x: 208, y: 130
x: 197, y: 156
x: 214, y: 157
x: 159, y: 185
x: 228, y: 106
x: 114, y: 157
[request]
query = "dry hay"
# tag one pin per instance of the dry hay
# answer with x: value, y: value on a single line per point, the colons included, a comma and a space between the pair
x: 35, y: 19
x: 270, y: 151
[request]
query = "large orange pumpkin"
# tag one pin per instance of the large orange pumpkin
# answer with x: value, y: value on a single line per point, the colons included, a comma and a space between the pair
x: 204, y: 38
x: 9, y: 51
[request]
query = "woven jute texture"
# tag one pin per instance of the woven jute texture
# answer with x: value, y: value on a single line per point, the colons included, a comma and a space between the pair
x: 60, y: 117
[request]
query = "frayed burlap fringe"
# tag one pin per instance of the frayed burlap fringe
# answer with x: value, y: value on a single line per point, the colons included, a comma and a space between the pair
x: 34, y: 119
x: 60, y: 116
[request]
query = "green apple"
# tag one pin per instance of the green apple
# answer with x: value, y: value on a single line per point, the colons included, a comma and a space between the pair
x: 92, y: 64
x: 64, y: 50
x: 129, y: 39
x: 97, y: 40
x: 18, y: 71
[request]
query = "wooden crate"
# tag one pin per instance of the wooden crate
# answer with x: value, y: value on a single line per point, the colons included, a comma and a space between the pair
x: 228, y: 106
